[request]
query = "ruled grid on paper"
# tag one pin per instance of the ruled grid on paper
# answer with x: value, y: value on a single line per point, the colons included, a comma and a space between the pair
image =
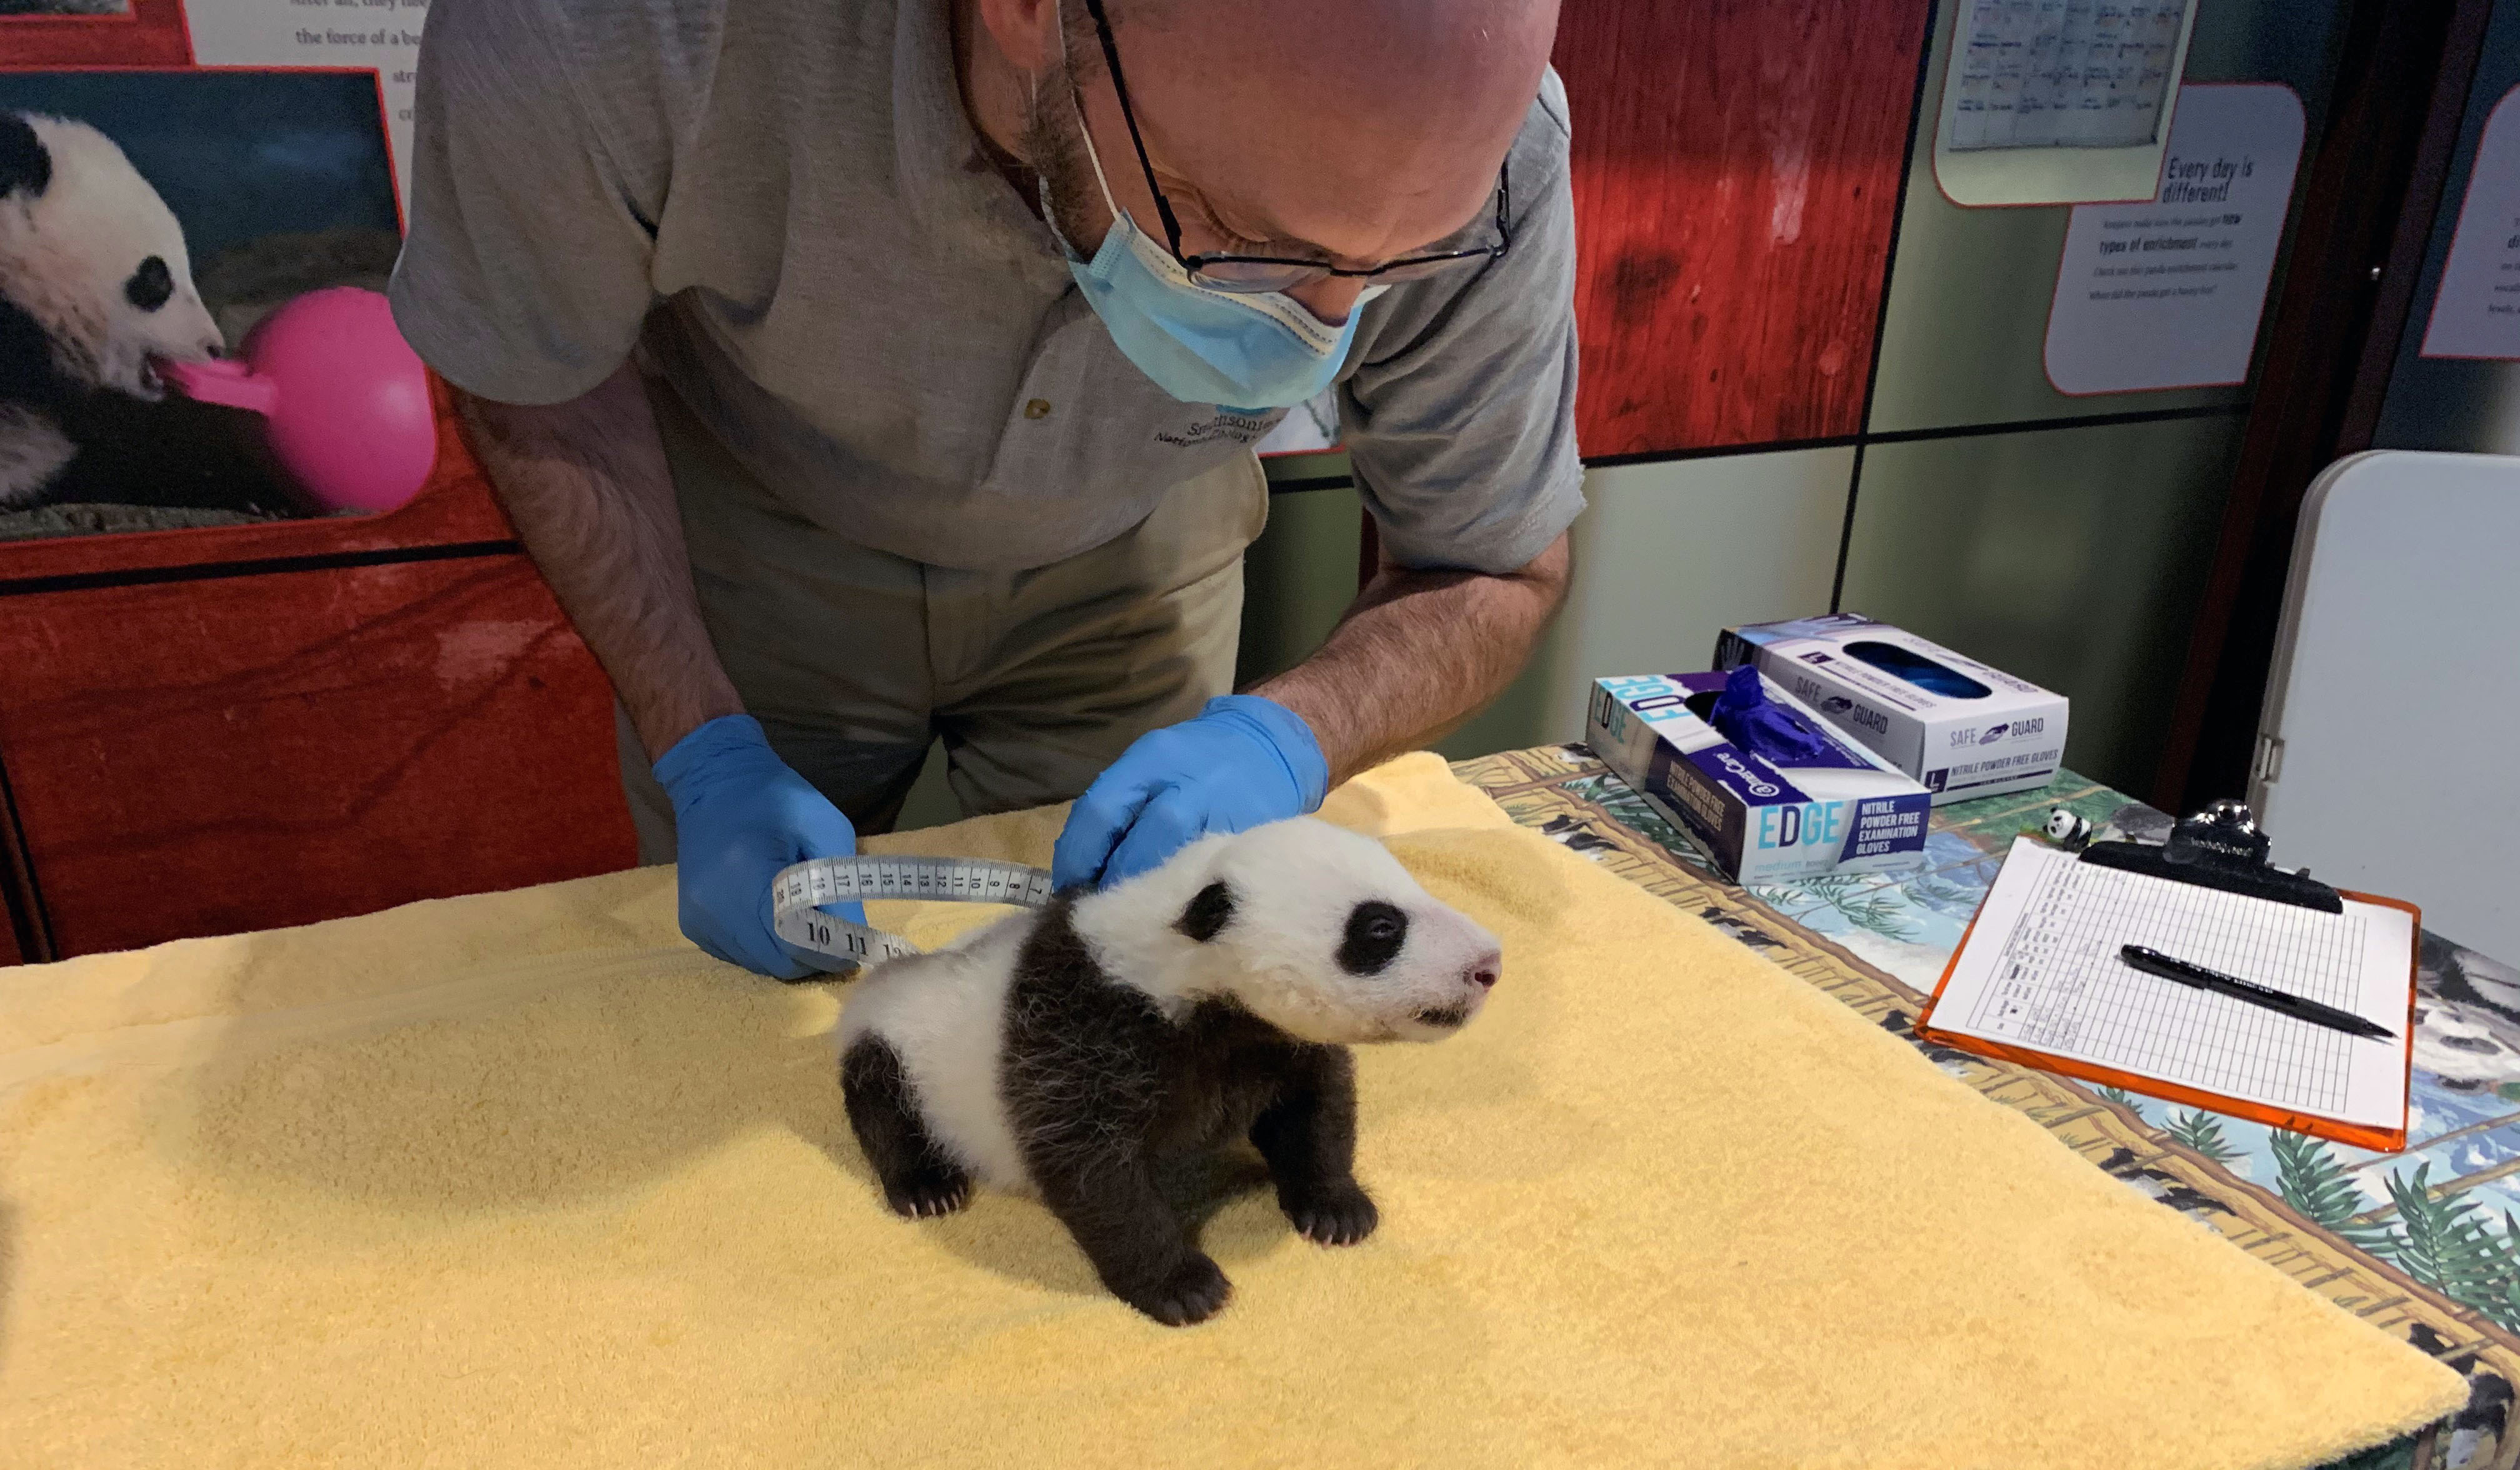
x: 2043, y: 971
x: 2062, y: 73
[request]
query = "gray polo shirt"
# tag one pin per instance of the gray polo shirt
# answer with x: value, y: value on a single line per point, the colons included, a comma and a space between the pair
x: 784, y: 204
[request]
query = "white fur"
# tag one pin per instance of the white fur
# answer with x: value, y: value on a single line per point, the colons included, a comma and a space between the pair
x: 944, y: 1015
x: 66, y: 254
x: 1294, y: 883
x: 32, y: 450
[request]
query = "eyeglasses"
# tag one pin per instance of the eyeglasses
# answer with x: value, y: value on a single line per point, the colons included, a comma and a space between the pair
x: 1276, y: 272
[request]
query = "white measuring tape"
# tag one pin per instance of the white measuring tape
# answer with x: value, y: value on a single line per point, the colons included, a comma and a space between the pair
x: 798, y: 893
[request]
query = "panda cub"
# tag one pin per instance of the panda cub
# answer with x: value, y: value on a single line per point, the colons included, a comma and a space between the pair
x: 96, y: 288
x: 1068, y: 1052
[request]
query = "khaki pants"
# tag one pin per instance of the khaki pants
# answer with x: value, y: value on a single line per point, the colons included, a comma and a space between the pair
x: 855, y: 660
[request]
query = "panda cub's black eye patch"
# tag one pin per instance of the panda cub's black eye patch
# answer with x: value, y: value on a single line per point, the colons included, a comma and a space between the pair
x: 1209, y: 911
x: 1376, y: 931
x: 152, y: 285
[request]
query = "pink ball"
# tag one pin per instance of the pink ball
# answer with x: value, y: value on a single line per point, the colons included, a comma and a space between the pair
x: 344, y: 396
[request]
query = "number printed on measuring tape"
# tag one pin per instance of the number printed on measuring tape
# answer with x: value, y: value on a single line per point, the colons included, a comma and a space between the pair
x: 799, y: 893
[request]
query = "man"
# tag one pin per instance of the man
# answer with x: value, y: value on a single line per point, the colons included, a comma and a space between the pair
x: 861, y: 371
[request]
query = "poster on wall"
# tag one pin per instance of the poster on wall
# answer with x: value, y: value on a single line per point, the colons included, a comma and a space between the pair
x: 2055, y: 101
x: 383, y: 35
x: 159, y: 218
x: 2476, y: 312
x: 2167, y: 294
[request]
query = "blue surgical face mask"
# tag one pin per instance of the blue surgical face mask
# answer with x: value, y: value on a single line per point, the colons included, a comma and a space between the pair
x: 1239, y: 351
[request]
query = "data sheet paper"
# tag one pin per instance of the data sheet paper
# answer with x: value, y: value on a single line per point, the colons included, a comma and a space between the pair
x: 2063, y: 74
x: 2041, y: 971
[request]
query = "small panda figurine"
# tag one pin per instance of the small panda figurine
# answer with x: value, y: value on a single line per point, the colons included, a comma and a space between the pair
x: 2067, y: 831
x: 1068, y: 1053
x: 96, y: 288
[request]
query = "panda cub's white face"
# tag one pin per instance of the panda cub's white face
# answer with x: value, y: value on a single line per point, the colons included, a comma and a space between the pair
x: 1315, y: 929
x: 89, y: 251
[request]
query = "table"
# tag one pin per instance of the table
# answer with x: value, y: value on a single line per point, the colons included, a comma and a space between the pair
x: 2423, y: 1243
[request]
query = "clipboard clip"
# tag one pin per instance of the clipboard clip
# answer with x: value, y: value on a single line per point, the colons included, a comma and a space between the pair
x: 2220, y: 847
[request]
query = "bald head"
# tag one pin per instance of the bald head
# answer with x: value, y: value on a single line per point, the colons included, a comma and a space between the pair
x: 1363, y: 129
x: 1367, y: 127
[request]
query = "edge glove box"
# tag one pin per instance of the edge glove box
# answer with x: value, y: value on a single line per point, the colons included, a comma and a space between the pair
x: 1964, y: 729
x: 1850, y: 810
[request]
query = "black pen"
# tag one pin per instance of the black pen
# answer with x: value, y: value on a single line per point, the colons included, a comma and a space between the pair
x: 2155, y: 962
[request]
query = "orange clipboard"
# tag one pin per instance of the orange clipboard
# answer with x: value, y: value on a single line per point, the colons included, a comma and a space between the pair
x: 2377, y: 1139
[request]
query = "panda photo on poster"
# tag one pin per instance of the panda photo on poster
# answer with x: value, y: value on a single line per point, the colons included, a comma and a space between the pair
x: 148, y: 220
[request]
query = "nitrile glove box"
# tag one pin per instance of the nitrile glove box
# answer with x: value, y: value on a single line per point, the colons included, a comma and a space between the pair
x: 1964, y: 729
x: 1764, y: 823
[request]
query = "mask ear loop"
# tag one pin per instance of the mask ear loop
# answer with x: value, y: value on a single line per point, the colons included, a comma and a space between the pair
x: 1084, y: 131
x: 1151, y: 252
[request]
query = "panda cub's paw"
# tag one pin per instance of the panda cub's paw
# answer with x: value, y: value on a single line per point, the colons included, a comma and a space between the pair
x: 927, y: 1191
x: 1195, y: 1291
x: 1337, y: 1213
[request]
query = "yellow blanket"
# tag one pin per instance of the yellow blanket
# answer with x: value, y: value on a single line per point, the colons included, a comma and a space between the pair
x: 524, y: 1179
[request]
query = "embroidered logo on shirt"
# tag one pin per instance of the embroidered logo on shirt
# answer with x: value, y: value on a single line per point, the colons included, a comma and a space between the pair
x: 1242, y: 428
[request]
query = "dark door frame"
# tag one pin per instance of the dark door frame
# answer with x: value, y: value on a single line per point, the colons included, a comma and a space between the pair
x: 2376, y: 187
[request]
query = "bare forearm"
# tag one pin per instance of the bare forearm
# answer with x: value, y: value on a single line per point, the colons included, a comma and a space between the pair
x: 586, y: 483
x: 1418, y: 654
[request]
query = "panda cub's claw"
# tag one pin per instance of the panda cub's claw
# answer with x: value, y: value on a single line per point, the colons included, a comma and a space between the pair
x: 1337, y: 1213
x: 928, y: 1191
x: 1195, y: 1291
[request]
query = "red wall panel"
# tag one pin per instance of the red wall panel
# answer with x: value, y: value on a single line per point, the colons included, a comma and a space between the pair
x: 1736, y: 176
x: 286, y: 748
x: 151, y: 35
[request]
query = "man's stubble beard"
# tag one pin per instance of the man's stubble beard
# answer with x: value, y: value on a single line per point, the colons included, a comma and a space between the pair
x: 1054, y: 142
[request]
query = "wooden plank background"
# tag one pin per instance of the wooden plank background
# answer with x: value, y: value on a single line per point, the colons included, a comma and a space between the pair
x: 275, y: 737
x: 249, y: 752
x: 1736, y: 175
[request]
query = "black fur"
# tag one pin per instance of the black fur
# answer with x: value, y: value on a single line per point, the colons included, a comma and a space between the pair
x: 1102, y: 1090
x: 29, y: 375
x: 24, y: 162
x: 152, y: 285
x: 170, y: 451
x: 918, y: 1179
x: 1376, y: 931
x: 1210, y: 909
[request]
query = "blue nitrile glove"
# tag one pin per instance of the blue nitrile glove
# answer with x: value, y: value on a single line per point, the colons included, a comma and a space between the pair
x: 1242, y: 762
x: 740, y: 814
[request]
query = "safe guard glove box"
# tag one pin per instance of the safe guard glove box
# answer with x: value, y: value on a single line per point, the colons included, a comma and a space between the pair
x: 1962, y: 727
x: 1845, y: 810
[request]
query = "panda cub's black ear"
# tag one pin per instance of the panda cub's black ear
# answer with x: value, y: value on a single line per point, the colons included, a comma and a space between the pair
x: 1209, y: 911
x: 25, y: 163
